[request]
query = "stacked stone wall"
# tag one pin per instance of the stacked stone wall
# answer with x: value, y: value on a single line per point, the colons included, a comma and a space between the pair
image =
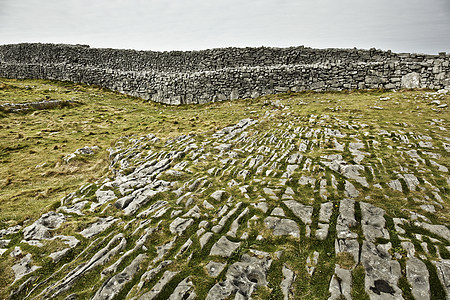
x: 178, y: 77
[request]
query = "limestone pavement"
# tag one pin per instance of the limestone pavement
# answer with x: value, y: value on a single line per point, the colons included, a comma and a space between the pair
x: 224, y: 216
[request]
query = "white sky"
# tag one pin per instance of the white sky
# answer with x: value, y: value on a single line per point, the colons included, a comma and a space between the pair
x: 421, y: 26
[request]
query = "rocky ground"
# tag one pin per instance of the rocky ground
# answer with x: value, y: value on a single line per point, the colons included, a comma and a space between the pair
x: 276, y: 207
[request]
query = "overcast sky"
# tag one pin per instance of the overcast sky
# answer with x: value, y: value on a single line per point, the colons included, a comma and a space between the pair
x: 421, y: 26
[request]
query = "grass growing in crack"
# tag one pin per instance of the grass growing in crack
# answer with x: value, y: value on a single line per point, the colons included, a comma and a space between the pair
x: 436, y: 288
x: 345, y: 260
x: 445, y: 254
x: 358, y: 291
x: 403, y: 283
x: 273, y: 290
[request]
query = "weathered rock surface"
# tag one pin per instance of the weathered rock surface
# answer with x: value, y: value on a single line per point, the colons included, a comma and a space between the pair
x: 242, y: 278
x: 224, y: 247
x: 322, y: 231
x: 24, y: 267
x: 114, y: 285
x: 282, y: 226
x: 218, y: 195
x: 97, y: 227
x: 179, y: 225
x: 418, y: 277
x: 326, y: 209
x: 41, y: 229
x: 439, y: 230
x: 346, y: 220
x: 382, y: 273
x: 341, y: 284
x: 184, y: 291
x: 443, y: 271
x: 350, y: 190
x: 303, y: 212
x: 214, y: 268
x: 288, y: 279
x: 373, y: 222
x: 159, y: 286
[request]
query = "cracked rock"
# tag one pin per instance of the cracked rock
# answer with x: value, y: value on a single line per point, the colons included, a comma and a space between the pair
x: 95, y: 228
x: 411, y: 181
x: 113, y: 286
x: 417, y: 275
x: 322, y: 231
x: 99, y: 258
x: 105, y: 196
x: 205, y: 239
x: 382, y: 273
x: 282, y: 226
x: 340, y: 284
x: 10, y: 230
x: 303, y: 212
x: 395, y: 185
x: 242, y: 278
x: 224, y: 247
x: 179, y: 225
x: 40, y: 229
x: 443, y: 270
x: 184, y: 291
x: 439, y: 230
x: 288, y: 279
x: 151, y: 273
x: 350, y: 190
x: 326, y: 210
x: 214, y: 268
x: 218, y: 195
x: 373, y: 222
x: 159, y: 286
x: 346, y: 219
x: 58, y: 255
x: 24, y: 267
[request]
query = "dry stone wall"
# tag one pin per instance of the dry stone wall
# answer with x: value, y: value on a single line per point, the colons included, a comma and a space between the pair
x: 188, y: 77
